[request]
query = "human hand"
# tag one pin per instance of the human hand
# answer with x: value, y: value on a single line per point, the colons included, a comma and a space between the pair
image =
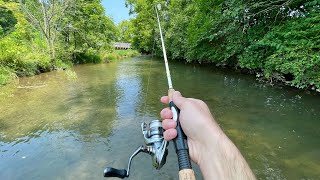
x: 209, y: 147
x: 196, y: 121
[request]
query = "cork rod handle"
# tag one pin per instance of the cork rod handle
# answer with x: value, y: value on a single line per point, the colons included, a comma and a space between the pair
x: 186, y: 174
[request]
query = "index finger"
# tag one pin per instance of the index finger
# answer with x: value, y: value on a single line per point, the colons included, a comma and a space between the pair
x: 165, y: 99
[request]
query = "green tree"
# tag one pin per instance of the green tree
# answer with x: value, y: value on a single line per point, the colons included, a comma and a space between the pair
x: 176, y: 38
x: 144, y: 24
x: 289, y: 53
x: 7, y: 20
x: 278, y: 40
x: 49, y: 34
x: 126, y: 28
x: 22, y: 50
x: 87, y: 30
x: 46, y: 16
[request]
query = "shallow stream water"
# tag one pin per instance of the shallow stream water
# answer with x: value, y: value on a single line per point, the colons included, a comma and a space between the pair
x: 56, y: 127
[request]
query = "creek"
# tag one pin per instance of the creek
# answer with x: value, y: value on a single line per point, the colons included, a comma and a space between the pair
x: 56, y: 127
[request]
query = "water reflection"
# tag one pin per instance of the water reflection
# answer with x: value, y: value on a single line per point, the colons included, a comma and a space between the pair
x: 129, y: 86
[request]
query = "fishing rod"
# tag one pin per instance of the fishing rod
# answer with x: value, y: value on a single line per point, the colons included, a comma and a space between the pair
x: 155, y: 144
x: 180, y: 142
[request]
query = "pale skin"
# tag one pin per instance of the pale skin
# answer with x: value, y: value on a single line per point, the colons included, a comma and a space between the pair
x: 209, y: 147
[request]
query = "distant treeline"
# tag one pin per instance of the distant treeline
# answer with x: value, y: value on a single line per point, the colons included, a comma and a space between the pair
x: 276, y: 40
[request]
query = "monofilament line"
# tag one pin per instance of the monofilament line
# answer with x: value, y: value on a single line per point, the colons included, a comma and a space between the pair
x: 148, y: 83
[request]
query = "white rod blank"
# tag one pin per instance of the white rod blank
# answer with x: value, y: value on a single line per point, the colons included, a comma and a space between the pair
x: 164, y: 53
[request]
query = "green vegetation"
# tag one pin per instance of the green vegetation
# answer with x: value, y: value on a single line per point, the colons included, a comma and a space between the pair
x: 126, y: 28
x: 40, y: 36
x: 119, y: 54
x: 276, y: 40
x: 21, y: 48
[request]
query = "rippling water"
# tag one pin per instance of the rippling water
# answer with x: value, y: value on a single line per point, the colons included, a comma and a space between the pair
x: 54, y: 127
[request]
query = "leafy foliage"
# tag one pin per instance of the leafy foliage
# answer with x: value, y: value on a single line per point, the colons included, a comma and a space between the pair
x: 143, y: 24
x: 119, y: 54
x: 7, y: 20
x: 289, y: 52
x: 87, y: 31
x: 22, y: 49
x: 279, y: 40
x: 6, y: 75
x: 38, y: 36
x: 125, y: 28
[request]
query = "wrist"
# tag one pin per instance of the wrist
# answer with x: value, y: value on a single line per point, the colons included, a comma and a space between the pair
x: 221, y: 159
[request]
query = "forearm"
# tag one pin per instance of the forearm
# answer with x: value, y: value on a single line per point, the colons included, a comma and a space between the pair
x: 222, y: 160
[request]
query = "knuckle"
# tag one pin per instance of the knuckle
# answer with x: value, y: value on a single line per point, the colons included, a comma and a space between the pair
x: 200, y: 102
x: 186, y: 104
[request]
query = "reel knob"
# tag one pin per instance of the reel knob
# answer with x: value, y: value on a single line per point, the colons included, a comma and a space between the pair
x: 112, y: 172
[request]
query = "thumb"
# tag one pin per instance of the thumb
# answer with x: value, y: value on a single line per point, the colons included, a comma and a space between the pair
x: 178, y: 99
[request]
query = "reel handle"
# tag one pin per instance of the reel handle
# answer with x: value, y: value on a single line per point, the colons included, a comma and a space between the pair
x: 122, y: 173
x: 112, y: 172
x: 181, y: 144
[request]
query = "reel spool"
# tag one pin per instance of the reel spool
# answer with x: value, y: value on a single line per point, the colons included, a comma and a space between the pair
x: 155, y: 145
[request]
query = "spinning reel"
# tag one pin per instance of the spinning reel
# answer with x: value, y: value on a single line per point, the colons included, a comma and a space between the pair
x: 155, y: 145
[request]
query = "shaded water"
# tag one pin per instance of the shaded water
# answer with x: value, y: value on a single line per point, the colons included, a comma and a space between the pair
x: 52, y: 127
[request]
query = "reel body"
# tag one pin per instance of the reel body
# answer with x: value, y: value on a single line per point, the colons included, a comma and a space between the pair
x: 155, y: 145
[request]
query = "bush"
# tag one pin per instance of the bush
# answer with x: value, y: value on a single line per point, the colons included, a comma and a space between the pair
x: 88, y: 56
x: 290, y: 53
x: 7, y: 20
x: 22, y: 50
x: 62, y: 64
x: 110, y: 57
x: 22, y: 59
x: 127, y: 53
x: 118, y: 54
x: 6, y: 75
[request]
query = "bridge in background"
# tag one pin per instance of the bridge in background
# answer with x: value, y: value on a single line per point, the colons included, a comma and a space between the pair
x: 121, y: 45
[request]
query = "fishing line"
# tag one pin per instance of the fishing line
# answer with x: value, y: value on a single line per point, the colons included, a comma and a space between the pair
x: 148, y: 82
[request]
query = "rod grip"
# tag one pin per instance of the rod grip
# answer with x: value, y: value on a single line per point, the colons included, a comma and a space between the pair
x: 186, y: 174
x: 180, y: 142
